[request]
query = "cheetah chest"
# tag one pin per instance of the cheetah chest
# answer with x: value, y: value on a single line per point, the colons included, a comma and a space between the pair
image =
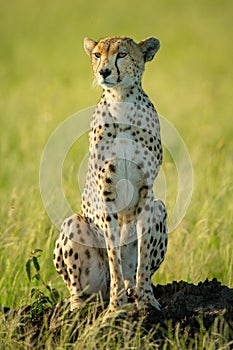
x: 124, y: 155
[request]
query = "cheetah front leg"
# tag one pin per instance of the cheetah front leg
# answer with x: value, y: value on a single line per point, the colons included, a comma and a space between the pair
x: 117, y: 289
x: 129, y: 257
x: 144, y: 292
x: 152, y: 242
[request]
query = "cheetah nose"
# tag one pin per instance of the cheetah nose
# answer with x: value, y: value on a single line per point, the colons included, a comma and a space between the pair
x: 105, y: 72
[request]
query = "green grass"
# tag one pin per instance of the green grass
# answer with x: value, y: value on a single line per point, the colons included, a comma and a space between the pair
x: 45, y: 77
x: 87, y: 330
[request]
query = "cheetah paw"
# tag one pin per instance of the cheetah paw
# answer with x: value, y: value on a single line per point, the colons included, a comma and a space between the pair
x: 75, y: 304
x: 146, y: 301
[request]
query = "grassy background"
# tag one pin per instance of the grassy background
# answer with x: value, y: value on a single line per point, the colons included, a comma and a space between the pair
x: 45, y: 76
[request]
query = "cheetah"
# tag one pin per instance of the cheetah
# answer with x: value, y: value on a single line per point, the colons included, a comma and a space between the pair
x: 120, y: 239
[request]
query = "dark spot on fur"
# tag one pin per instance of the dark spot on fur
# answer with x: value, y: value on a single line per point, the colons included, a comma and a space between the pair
x: 71, y: 252
x: 88, y: 255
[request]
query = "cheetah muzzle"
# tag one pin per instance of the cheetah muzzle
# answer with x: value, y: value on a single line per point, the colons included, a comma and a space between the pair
x: 120, y: 238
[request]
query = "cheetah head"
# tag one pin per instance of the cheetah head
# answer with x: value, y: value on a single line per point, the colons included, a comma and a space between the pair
x: 119, y: 60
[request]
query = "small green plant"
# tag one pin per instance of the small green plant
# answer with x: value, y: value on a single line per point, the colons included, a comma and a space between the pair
x: 41, y: 301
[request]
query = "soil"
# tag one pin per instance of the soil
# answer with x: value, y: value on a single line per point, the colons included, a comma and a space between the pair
x: 190, y: 307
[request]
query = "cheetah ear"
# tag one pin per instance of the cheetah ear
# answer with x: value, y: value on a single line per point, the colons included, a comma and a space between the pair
x: 89, y: 45
x: 149, y: 48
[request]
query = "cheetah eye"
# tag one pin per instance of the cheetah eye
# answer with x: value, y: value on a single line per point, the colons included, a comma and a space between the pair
x: 97, y: 55
x: 121, y: 54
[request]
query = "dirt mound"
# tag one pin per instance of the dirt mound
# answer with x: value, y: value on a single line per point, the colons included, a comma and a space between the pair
x: 191, y: 306
x: 186, y: 308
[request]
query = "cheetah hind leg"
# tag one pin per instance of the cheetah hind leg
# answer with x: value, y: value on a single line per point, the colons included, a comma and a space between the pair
x: 81, y: 260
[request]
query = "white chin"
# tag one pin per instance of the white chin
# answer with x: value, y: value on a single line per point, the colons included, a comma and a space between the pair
x: 106, y: 84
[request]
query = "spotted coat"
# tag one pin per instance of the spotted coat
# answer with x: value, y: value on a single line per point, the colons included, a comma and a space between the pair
x: 120, y: 238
